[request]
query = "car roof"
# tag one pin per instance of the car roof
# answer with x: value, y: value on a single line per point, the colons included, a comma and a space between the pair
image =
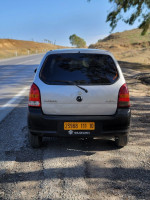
x: 78, y: 50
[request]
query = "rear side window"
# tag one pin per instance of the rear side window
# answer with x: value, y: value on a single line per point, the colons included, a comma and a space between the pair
x: 80, y: 68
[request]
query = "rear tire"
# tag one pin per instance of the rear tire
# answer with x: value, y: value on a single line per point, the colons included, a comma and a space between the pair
x: 122, y: 140
x: 35, y: 141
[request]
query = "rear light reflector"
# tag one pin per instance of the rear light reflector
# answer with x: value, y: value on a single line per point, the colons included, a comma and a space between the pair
x: 34, y: 96
x: 123, y: 98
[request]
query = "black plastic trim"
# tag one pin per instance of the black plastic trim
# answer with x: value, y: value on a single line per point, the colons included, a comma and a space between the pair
x: 52, y: 125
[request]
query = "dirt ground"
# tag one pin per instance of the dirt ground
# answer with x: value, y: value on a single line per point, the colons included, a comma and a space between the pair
x: 129, y: 46
x: 13, y: 48
x: 73, y: 169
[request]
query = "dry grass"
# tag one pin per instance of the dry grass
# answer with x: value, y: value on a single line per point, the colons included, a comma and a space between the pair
x: 11, y: 48
x: 127, y: 46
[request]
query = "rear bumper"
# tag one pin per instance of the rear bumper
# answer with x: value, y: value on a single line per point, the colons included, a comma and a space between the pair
x: 51, y: 125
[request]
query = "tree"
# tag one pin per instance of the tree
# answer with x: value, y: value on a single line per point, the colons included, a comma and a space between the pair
x: 142, y: 12
x: 77, y: 41
x: 48, y: 41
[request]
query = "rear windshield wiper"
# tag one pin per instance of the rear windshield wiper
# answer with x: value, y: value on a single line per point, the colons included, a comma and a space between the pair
x: 71, y: 83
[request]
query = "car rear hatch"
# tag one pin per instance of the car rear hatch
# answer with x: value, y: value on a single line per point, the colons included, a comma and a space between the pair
x: 79, y: 84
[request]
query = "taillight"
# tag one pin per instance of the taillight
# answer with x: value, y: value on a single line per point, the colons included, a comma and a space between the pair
x: 123, y: 98
x: 34, y: 96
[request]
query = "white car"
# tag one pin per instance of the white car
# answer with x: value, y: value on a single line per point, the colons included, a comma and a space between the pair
x: 79, y: 93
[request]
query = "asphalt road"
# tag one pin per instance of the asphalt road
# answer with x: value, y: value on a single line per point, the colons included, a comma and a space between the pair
x: 74, y: 169
x: 16, y: 76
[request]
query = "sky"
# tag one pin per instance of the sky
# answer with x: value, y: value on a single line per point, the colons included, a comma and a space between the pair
x: 56, y: 20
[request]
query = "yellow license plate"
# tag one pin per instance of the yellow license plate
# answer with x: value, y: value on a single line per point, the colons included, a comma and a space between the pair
x: 79, y: 125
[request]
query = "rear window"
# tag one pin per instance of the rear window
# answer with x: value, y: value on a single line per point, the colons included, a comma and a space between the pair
x: 80, y: 68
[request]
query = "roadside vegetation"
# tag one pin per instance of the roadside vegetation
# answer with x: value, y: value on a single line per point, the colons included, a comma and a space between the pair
x: 77, y: 41
x: 135, y: 10
x: 140, y: 10
x: 128, y: 46
x: 12, y: 48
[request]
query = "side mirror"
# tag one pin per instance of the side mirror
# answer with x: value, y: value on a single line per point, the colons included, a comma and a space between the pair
x: 35, y: 70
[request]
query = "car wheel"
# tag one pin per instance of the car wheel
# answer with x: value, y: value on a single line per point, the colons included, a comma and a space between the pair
x: 35, y: 141
x: 121, y: 141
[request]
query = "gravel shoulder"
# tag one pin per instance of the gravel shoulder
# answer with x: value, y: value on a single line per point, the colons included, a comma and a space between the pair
x: 73, y: 169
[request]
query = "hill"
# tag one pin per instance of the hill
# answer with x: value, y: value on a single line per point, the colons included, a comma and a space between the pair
x: 10, y: 47
x: 128, y: 46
